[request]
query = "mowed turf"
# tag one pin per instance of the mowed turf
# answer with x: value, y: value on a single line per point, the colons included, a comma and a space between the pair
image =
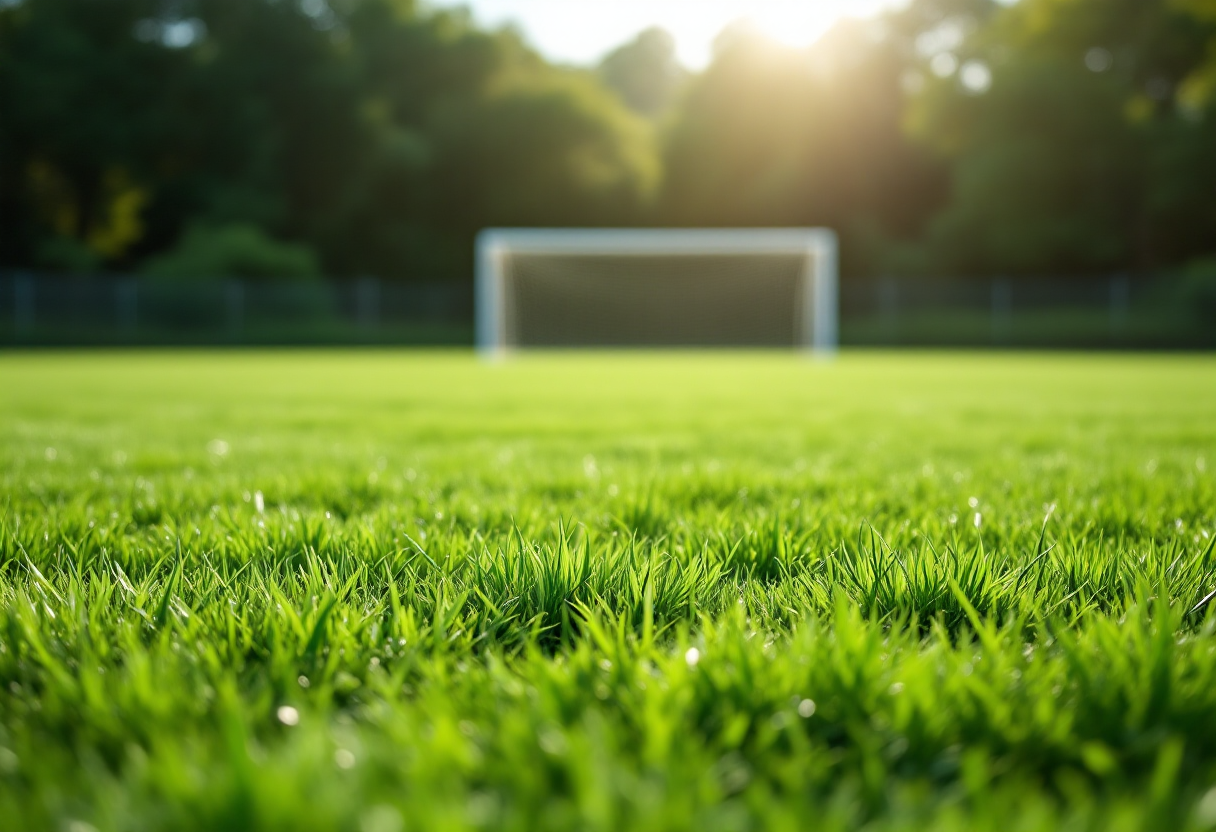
x: 385, y: 591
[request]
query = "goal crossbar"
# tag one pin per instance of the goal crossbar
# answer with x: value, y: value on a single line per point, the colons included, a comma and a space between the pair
x: 817, y: 330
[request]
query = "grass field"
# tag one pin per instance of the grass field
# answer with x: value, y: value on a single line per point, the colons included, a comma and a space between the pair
x: 384, y: 591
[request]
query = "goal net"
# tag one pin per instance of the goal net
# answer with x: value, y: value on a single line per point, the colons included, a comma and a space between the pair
x: 656, y: 288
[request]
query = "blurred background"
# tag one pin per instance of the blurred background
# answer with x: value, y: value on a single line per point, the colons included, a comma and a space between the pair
x: 1040, y: 172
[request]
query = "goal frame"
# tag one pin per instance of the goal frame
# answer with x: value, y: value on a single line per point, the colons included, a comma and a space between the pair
x: 819, y: 291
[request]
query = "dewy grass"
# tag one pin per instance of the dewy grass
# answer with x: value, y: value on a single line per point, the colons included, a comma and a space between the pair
x: 383, y: 592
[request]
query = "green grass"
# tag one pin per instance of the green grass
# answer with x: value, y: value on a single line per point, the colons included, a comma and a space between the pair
x: 383, y: 591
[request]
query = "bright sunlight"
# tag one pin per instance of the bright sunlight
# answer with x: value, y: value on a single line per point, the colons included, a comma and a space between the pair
x: 583, y: 32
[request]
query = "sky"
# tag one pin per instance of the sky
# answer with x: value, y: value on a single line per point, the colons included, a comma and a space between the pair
x: 582, y: 31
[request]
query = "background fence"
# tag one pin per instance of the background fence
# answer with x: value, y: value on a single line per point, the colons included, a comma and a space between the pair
x: 1116, y: 311
x: 54, y: 309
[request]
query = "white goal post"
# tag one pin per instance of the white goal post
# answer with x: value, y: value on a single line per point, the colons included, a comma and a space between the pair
x: 656, y: 287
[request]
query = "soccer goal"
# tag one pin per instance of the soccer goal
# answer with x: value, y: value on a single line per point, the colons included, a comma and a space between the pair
x: 737, y: 287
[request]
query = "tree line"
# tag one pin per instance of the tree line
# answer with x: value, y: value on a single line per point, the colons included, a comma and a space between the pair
x: 375, y: 137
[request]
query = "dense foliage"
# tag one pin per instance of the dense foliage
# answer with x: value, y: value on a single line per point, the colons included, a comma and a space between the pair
x: 373, y: 592
x: 966, y: 136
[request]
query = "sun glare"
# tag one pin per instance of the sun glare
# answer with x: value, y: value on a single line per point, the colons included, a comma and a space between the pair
x: 791, y: 22
x: 797, y: 24
x: 583, y: 32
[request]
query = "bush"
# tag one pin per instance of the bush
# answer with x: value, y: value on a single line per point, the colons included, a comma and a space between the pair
x: 1197, y: 290
x: 233, y: 251
x: 65, y: 254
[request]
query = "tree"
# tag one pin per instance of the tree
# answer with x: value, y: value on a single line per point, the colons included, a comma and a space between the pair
x: 968, y: 136
x: 770, y: 135
x: 475, y: 129
x: 380, y: 135
x: 1079, y: 157
x: 645, y: 72
x: 75, y: 163
x: 210, y: 252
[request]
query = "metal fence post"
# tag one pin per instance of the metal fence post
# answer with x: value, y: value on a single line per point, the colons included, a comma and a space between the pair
x: 23, y: 304
x: 1120, y: 300
x: 126, y: 302
x: 888, y: 306
x: 367, y: 302
x: 1002, y: 309
x: 234, y: 305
